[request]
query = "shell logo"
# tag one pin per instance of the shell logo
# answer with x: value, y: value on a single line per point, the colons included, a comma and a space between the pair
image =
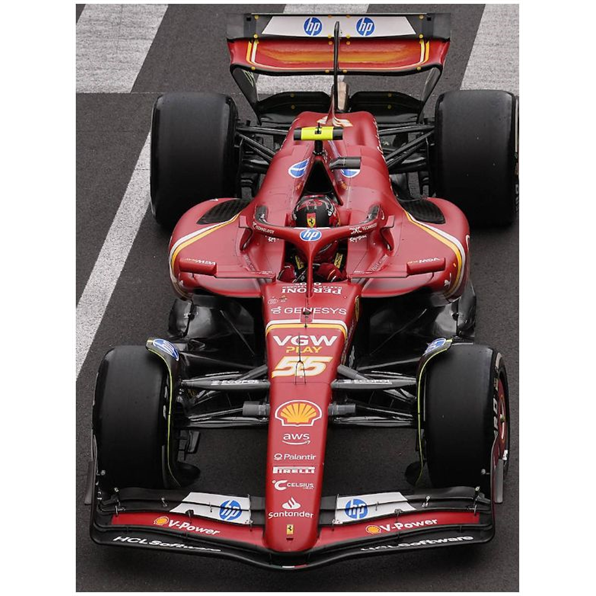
x: 373, y: 529
x: 298, y: 413
x: 161, y: 521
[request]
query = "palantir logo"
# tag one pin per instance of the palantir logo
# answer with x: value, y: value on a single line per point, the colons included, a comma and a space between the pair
x: 356, y: 509
x: 310, y: 235
x: 312, y: 26
x: 230, y: 510
x: 365, y: 26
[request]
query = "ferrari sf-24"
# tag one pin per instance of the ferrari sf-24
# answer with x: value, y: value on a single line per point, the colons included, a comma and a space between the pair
x: 320, y: 257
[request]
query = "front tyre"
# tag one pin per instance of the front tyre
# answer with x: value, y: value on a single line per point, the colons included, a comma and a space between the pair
x: 466, y: 414
x: 129, y: 419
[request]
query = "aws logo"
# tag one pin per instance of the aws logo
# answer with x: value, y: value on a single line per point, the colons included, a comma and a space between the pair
x: 296, y: 438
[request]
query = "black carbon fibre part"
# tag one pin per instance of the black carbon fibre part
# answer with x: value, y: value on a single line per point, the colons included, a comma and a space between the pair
x: 223, y: 211
x: 423, y: 210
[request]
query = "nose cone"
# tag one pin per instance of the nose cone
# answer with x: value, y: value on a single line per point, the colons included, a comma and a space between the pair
x: 295, y: 459
x: 304, y: 348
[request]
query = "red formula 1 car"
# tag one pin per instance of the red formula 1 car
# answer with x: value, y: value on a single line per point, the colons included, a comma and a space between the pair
x: 314, y: 289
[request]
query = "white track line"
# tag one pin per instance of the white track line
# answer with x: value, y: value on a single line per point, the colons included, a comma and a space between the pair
x: 494, y: 59
x: 114, y: 252
x: 112, y: 43
x: 268, y: 85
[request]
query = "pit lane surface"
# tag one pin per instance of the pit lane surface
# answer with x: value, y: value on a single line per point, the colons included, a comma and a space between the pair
x: 189, y: 52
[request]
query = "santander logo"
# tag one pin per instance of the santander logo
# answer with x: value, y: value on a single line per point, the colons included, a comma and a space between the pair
x: 291, y: 504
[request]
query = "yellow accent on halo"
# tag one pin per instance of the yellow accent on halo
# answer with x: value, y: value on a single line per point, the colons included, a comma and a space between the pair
x: 198, y: 237
x: 446, y: 242
x: 298, y: 413
x: 314, y: 133
x: 309, y: 325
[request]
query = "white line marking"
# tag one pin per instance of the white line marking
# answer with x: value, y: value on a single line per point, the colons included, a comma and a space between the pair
x: 268, y: 85
x: 112, y: 44
x: 494, y: 59
x: 114, y: 252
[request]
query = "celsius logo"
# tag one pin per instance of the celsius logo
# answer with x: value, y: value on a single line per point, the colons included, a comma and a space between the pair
x: 310, y: 235
x: 285, y: 484
x: 365, y: 26
x: 298, y: 169
x: 280, y: 484
x: 356, y: 509
x: 230, y: 510
x: 350, y: 173
x: 313, y: 26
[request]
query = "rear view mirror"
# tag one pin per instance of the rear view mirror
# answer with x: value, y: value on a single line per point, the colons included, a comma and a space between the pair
x: 346, y: 163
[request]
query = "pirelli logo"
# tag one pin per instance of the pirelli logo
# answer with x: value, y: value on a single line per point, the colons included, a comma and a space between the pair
x: 293, y: 469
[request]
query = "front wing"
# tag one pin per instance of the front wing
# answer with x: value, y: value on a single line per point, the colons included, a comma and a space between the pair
x: 233, y: 527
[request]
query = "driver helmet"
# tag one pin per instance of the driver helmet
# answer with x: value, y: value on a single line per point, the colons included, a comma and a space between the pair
x: 318, y: 211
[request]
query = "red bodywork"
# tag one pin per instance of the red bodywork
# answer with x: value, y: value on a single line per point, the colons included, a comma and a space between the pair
x: 309, y: 327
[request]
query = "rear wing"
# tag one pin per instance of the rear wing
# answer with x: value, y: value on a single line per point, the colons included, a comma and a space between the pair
x: 369, y: 44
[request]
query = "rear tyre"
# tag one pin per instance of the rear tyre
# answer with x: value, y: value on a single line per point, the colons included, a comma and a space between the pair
x: 476, y: 154
x: 466, y: 408
x: 129, y: 419
x: 192, y: 152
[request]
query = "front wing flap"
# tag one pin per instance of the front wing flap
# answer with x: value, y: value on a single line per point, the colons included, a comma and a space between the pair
x: 233, y: 527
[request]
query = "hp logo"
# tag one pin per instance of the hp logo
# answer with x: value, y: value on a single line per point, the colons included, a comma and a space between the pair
x: 310, y: 235
x: 230, y: 510
x: 365, y: 26
x: 356, y: 509
x: 313, y: 26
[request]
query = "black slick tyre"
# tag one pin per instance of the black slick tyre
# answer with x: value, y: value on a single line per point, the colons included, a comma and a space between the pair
x: 129, y: 422
x: 476, y: 154
x: 192, y: 153
x: 465, y: 410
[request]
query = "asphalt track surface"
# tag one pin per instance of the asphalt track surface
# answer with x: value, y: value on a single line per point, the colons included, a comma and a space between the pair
x: 189, y: 53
